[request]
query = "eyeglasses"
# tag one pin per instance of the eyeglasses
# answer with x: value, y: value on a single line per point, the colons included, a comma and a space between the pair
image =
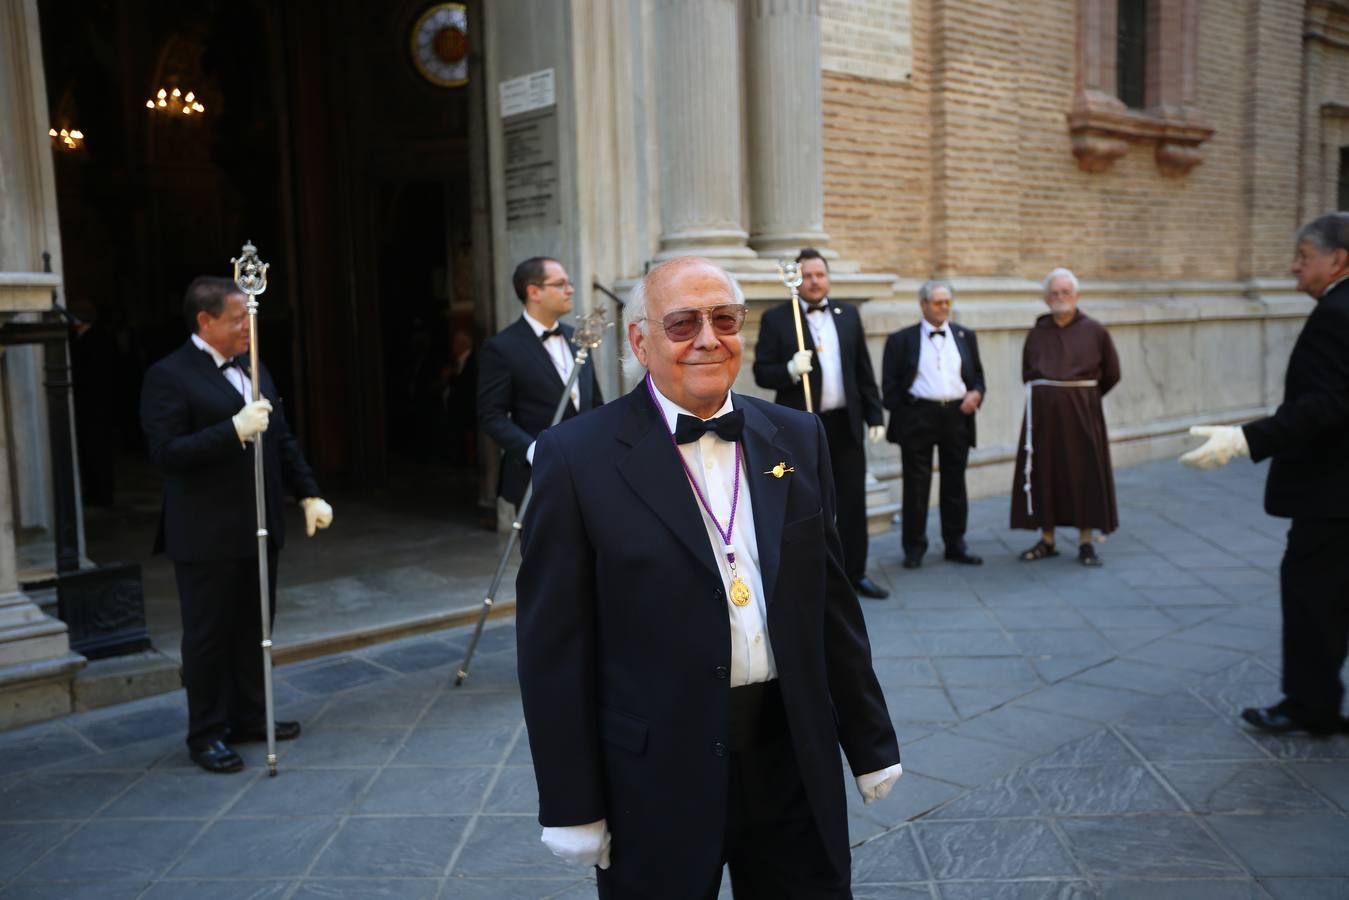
x: 560, y: 285
x: 683, y: 324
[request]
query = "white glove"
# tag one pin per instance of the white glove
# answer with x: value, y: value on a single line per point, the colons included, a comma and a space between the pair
x: 800, y: 364
x: 875, y: 786
x: 317, y: 514
x: 876, y: 433
x: 1224, y: 442
x: 582, y: 845
x: 529, y: 452
x: 252, y: 419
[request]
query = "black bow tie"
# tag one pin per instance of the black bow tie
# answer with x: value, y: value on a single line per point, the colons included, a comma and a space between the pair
x: 229, y: 364
x: 936, y: 332
x: 822, y: 306
x: 728, y: 427
x: 543, y: 336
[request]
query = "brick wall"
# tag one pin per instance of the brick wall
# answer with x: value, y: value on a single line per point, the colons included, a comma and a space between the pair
x: 967, y: 169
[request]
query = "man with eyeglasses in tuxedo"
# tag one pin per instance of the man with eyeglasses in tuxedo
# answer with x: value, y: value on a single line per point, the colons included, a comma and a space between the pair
x: 523, y: 368
x: 691, y: 653
x: 843, y: 387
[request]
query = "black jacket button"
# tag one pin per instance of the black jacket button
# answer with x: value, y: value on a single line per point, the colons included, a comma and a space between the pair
x: 718, y: 748
x: 721, y: 672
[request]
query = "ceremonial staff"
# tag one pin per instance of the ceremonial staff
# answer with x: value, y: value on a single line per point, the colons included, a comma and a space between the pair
x: 791, y: 276
x: 250, y: 274
x: 588, y: 336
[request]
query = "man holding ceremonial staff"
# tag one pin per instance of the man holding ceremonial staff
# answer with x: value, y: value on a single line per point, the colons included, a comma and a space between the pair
x: 200, y: 427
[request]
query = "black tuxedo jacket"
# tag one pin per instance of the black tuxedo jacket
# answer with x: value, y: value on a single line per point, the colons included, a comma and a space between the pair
x: 899, y: 368
x: 624, y: 638
x: 1308, y: 435
x: 209, y: 508
x: 518, y: 390
x: 777, y: 343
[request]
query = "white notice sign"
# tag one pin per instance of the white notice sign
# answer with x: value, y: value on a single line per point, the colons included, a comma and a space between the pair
x: 867, y: 38
x: 526, y: 93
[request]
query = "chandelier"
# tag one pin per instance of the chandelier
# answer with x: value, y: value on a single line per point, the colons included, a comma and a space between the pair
x: 69, y: 138
x: 175, y: 101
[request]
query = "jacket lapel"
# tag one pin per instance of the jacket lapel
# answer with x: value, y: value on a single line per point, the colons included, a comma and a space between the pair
x: 204, y: 364
x: 768, y: 494
x: 959, y: 334
x: 652, y: 469
x: 533, y: 348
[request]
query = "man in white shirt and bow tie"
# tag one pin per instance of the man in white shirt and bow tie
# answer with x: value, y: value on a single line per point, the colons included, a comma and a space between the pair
x: 691, y: 653
x: 933, y: 384
x: 200, y: 427
x: 523, y: 368
x: 843, y: 388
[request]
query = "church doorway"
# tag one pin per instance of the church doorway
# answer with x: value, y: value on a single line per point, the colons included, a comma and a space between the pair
x: 338, y: 136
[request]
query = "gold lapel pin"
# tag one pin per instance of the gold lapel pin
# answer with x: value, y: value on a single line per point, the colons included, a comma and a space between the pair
x: 780, y: 469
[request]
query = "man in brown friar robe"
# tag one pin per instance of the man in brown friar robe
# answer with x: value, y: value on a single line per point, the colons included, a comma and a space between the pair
x: 1068, y: 364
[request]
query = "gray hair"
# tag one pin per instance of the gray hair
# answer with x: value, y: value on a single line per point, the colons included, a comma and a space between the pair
x: 1061, y: 272
x: 1329, y: 232
x: 634, y: 310
x: 925, y: 292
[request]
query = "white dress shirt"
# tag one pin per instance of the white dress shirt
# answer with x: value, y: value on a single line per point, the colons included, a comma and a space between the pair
x: 938, y: 365
x: 830, y: 356
x: 559, y: 351
x: 234, y: 374
x: 712, y: 462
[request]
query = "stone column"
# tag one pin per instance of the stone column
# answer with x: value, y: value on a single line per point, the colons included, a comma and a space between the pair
x: 697, y: 71
x: 36, y: 665
x: 786, y: 147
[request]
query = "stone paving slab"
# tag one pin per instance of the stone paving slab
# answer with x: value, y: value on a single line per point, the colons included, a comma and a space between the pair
x: 1067, y: 733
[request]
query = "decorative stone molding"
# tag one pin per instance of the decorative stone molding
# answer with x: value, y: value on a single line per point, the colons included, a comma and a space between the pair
x: 1101, y: 126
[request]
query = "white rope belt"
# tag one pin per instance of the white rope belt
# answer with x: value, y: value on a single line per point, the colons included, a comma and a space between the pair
x: 1030, y: 449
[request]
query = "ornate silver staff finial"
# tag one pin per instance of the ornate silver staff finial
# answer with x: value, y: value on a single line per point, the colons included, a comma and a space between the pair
x: 590, y: 328
x: 250, y: 273
x: 791, y: 273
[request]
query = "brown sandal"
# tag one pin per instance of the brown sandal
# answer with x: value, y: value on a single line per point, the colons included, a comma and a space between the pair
x: 1041, y: 550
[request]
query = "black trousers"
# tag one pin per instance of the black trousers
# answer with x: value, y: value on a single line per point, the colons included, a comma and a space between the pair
x: 1314, y: 583
x: 849, y: 462
x: 772, y: 847
x: 928, y: 425
x: 222, y: 644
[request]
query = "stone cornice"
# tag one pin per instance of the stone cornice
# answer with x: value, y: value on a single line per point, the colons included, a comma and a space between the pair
x: 1102, y: 128
x: 27, y: 291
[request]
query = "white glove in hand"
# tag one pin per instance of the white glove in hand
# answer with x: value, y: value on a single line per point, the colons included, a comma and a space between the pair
x: 1224, y: 442
x: 800, y: 364
x: 875, y: 786
x: 876, y: 433
x: 582, y: 845
x: 252, y: 419
x: 317, y: 514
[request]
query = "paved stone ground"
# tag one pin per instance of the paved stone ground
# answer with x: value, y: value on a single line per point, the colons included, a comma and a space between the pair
x: 1066, y: 733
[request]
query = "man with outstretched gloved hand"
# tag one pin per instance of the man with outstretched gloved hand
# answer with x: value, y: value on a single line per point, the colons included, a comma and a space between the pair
x: 1307, y: 440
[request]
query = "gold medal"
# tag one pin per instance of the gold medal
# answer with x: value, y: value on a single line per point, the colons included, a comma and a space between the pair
x: 739, y: 592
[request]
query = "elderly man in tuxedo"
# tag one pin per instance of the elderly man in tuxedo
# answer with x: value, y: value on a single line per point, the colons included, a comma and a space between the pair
x: 933, y: 383
x: 200, y: 426
x: 523, y: 368
x: 1307, y: 441
x: 691, y: 653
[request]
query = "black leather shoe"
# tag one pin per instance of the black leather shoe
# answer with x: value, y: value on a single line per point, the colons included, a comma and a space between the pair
x: 248, y: 734
x: 1086, y: 555
x: 962, y: 554
x: 1273, y: 720
x: 912, y: 562
x: 217, y: 757
x: 868, y: 588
